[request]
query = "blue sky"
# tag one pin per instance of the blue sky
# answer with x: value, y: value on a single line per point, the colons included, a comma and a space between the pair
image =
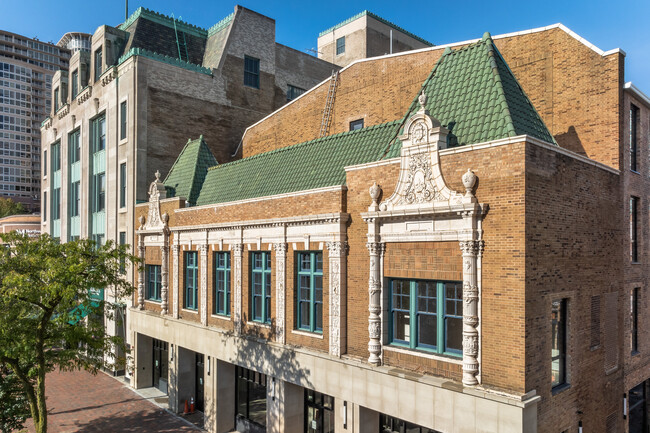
x: 606, y: 24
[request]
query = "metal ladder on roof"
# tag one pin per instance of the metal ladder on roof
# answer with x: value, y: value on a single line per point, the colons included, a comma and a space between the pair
x: 329, y: 103
x: 178, y: 42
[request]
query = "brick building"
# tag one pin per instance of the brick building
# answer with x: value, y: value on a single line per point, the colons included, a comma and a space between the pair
x: 366, y: 280
x: 126, y: 106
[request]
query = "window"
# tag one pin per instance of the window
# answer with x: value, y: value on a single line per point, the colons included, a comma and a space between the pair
x: 251, y: 72
x: 153, y: 282
x: 293, y: 92
x: 558, y: 342
x: 391, y: 424
x: 221, y: 291
x: 261, y: 286
x: 122, y: 259
x: 251, y: 396
x: 427, y: 315
x: 56, y: 99
x: 638, y: 418
x: 310, y: 291
x: 98, y: 64
x: 123, y: 120
x: 56, y: 157
x: 340, y: 45
x: 74, y: 146
x: 356, y: 124
x: 123, y: 185
x: 100, y: 192
x: 98, y: 127
x: 634, y: 322
x: 74, y: 81
x: 75, y: 198
x: 634, y: 117
x: 45, y: 163
x: 319, y: 412
x: 191, y: 280
x: 56, y: 204
x: 44, y: 205
x: 634, y: 249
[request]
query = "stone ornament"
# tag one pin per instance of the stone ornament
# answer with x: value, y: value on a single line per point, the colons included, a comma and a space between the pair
x: 280, y: 264
x: 157, y: 192
x: 175, y: 272
x: 337, y: 287
x: 375, y: 191
x: 470, y: 249
x: 469, y: 180
x: 374, y: 306
x: 237, y: 250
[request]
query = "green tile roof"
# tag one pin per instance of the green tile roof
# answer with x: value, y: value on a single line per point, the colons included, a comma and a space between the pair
x: 473, y: 92
x: 187, y: 175
x: 313, y: 164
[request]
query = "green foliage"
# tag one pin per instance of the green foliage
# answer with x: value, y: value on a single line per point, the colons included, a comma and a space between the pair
x: 9, y: 207
x: 14, y: 408
x: 50, y: 316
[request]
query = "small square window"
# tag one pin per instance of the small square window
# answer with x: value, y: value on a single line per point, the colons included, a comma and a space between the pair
x: 340, y: 45
x: 356, y: 124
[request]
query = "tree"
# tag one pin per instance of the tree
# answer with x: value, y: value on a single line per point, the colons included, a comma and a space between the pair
x: 14, y: 408
x: 52, y: 309
x: 10, y: 207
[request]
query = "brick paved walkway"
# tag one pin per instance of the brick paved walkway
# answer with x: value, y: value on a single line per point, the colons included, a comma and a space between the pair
x: 80, y: 402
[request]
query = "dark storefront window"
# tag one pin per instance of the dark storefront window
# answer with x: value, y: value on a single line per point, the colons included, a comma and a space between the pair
x: 638, y: 422
x: 388, y: 424
x: 319, y: 412
x: 251, y: 396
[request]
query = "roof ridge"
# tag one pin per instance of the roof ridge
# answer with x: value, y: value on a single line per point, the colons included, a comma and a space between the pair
x: 162, y: 19
x: 305, y: 144
x: 221, y: 24
x: 178, y: 158
x: 491, y: 48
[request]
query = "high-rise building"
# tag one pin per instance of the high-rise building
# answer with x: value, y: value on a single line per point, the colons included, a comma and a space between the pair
x: 75, y: 41
x: 26, y: 69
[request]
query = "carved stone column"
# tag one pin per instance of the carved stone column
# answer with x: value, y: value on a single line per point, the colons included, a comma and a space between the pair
x: 280, y: 278
x: 237, y: 250
x: 337, y: 297
x: 203, y: 306
x: 141, y: 253
x: 470, y: 312
x: 175, y: 273
x: 374, y: 306
x: 164, y: 275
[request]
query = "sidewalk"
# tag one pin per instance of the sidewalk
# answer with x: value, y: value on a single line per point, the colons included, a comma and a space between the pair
x: 80, y: 402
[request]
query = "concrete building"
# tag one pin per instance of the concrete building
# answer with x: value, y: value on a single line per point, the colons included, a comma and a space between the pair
x: 126, y: 107
x: 365, y: 35
x: 26, y: 69
x: 472, y: 259
x: 75, y: 41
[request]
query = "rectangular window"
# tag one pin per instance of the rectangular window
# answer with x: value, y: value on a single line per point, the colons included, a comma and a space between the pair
x: 310, y: 291
x: 251, y: 396
x: 634, y: 249
x: 44, y: 205
x: 634, y: 320
x: 390, y: 424
x: 261, y: 286
x: 100, y: 192
x: 74, y: 146
x: 251, y: 72
x: 558, y: 342
x: 45, y: 163
x: 56, y: 157
x: 319, y: 412
x: 356, y: 124
x: 74, y: 82
x: 98, y: 128
x: 123, y: 120
x: 153, y: 282
x: 122, y: 259
x: 293, y: 92
x: 191, y: 280
x: 427, y: 315
x: 75, y: 198
x: 98, y: 64
x: 56, y: 100
x: 634, y: 123
x: 123, y: 185
x: 340, y: 45
x: 221, y: 291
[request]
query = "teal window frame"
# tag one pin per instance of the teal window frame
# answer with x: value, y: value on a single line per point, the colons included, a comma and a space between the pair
x: 56, y: 100
x: 99, y: 196
x: 122, y: 120
x: 154, y: 280
x: 309, y: 296
x: 191, y: 280
x: 98, y: 63
x: 432, y: 304
x: 74, y: 146
x: 74, y: 82
x: 98, y: 130
x: 251, y: 72
x: 340, y: 45
x: 260, y: 289
x: 123, y: 185
x: 75, y: 198
x: 221, y: 286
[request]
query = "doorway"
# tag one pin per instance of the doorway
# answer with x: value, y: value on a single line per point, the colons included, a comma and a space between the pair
x: 160, y: 365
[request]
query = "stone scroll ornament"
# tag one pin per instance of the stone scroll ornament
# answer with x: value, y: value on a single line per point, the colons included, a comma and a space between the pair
x: 280, y: 259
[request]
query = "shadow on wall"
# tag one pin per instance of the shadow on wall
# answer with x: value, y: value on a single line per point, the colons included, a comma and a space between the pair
x: 571, y: 141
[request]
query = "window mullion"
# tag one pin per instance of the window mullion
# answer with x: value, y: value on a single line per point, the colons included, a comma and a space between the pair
x: 413, y: 304
x: 440, y: 316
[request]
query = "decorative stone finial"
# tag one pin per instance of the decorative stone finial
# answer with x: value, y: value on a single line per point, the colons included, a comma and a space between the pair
x: 374, y: 190
x: 141, y: 219
x: 469, y: 180
x: 165, y: 218
x: 422, y: 99
x: 157, y: 174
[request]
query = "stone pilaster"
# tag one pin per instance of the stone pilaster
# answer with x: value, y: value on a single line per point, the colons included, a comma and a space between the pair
x: 164, y: 276
x: 337, y: 297
x: 141, y: 276
x: 470, y: 312
x: 175, y: 272
x: 280, y: 279
x: 203, y: 266
x: 374, y: 305
x: 237, y: 250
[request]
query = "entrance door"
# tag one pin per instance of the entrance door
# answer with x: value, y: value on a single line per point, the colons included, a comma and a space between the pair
x: 160, y: 364
x: 199, y: 382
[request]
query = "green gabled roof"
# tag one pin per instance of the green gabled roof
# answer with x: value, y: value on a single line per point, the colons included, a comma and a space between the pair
x: 313, y: 164
x: 473, y: 93
x: 187, y: 175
